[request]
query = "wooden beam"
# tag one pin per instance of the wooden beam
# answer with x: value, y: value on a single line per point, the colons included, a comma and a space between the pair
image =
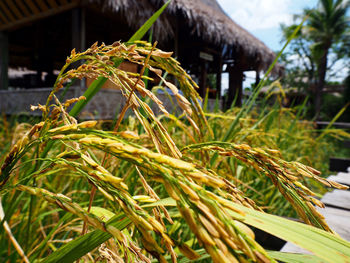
x: 7, y: 11
x: 52, y: 3
x: 18, y: 48
x: 13, y: 25
x: 342, y: 178
x: 23, y: 8
x: 42, y: 5
x: 63, y: 2
x: 33, y: 7
x: 3, y: 17
x: 4, y: 53
x: 337, y: 198
x: 14, y: 8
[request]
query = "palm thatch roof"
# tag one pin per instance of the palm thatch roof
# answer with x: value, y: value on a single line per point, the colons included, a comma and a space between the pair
x: 206, y: 20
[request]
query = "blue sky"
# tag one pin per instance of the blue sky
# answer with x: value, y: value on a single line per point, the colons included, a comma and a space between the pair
x: 262, y: 18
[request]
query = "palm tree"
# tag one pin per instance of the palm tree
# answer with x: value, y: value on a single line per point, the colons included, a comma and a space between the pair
x: 326, y: 25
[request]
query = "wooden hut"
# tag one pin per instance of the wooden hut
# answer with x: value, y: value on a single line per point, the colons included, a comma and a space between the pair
x: 38, y: 34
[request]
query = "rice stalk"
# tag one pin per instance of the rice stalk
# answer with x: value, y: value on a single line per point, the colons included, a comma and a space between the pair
x: 61, y: 155
x: 286, y: 176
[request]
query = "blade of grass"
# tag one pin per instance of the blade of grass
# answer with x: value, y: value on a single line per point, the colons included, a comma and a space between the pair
x: 84, y: 244
x: 333, y: 121
x: 295, y: 258
x: 301, y: 108
x: 281, y: 256
x: 147, y: 70
x: 249, y: 104
x: 11, y: 236
x: 44, y: 243
x: 321, y: 243
x: 305, y: 236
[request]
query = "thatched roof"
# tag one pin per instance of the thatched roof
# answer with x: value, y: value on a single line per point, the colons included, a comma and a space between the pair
x: 211, y: 22
x: 206, y: 19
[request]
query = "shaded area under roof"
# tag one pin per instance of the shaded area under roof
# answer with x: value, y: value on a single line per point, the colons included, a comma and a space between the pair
x: 207, y: 42
x: 206, y: 20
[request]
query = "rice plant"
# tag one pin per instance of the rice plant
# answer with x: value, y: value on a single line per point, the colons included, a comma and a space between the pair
x: 71, y: 190
x: 281, y: 132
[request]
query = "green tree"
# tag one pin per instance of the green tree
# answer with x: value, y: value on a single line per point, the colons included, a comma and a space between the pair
x: 324, y: 37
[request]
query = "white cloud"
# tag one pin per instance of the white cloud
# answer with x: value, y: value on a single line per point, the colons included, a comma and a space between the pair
x: 258, y: 14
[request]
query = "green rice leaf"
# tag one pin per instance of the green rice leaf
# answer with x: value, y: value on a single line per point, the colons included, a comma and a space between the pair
x: 164, y: 202
x: 147, y: 25
x: 102, y: 213
x: 295, y: 258
x: 322, y: 244
x: 250, y: 102
x: 82, y: 245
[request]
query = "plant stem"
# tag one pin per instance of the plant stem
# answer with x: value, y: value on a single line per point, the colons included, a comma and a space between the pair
x: 116, y: 127
x: 127, y: 105
x: 12, y: 238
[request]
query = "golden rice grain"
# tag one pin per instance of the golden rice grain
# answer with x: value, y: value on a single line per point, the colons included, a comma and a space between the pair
x: 209, y: 226
x: 188, y: 252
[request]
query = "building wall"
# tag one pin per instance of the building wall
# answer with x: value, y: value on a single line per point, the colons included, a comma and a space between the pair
x: 104, y: 105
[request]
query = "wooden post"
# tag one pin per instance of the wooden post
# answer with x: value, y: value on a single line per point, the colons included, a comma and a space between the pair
x: 235, y: 87
x: 4, y: 56
x: 40, y: 57
x: 78, y: 29
x: 257, y: 78
x: 176, y: 44
x: 176, y: 38
x: 218, y: 78
x: 79, y: 37
x: 203, y: 79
